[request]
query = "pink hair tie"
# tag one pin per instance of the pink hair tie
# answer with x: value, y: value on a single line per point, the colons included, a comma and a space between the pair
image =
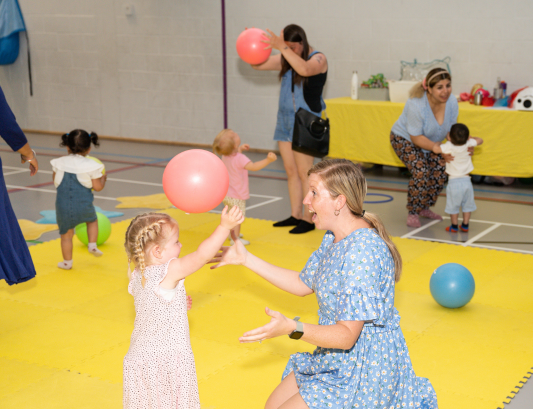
x: 424, y: 84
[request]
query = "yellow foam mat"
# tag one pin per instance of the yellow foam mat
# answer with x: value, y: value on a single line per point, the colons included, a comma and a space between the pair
x: 64, y: 334
x: 32, y: 230
x: 157, y: 201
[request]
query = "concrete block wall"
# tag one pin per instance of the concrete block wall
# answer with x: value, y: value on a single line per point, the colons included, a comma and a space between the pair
x: 158, y: 73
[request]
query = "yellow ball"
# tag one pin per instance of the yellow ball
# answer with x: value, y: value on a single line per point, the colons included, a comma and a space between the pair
x: 97, y: 161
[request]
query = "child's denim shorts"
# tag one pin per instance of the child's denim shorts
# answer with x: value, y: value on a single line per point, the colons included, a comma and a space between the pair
x: 460, y: 195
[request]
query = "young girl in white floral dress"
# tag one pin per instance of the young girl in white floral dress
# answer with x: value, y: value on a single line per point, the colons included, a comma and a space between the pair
x: 159, y: 370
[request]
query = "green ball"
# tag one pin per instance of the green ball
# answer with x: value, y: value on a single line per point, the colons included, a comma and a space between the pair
x: 104, y: 230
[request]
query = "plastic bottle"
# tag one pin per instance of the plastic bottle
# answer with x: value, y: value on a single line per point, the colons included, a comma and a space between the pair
x: 355, y: 85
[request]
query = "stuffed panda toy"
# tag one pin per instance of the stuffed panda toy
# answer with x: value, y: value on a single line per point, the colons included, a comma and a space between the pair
x: 524, y: 100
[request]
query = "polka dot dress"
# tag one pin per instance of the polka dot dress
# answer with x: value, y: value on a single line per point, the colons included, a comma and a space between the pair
x: 159, y: 370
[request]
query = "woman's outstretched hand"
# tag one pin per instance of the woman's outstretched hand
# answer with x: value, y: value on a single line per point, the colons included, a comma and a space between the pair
x: 274, y: 41
x: 448, y: 157
x: 233, y: 255
x: 279, y: 325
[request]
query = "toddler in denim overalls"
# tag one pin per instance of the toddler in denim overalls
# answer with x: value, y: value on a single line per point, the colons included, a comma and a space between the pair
x: 75, y: 176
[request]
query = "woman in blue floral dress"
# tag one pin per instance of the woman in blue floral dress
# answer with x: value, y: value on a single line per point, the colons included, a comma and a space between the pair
x: 361, y: 359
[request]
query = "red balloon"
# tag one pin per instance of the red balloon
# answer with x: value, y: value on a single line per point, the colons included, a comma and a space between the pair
x: 250, y: 48
x: 195, y: 181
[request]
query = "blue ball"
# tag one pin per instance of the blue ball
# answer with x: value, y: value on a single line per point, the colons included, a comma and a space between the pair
x: 452, y: 285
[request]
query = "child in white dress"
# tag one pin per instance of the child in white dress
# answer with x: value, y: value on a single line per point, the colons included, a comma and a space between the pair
x: 159, y: 369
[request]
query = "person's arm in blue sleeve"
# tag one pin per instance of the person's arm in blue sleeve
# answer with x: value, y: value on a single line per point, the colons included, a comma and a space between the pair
x: 11, y: 133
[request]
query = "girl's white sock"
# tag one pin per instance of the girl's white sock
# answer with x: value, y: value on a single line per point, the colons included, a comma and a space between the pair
x: 65, y: 264
x: 94, y: 250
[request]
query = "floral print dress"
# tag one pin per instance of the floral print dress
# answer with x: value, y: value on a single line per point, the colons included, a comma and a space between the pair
x: 354, y: 281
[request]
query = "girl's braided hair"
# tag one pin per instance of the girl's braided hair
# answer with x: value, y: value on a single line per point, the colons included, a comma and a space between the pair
x: 145, y: 230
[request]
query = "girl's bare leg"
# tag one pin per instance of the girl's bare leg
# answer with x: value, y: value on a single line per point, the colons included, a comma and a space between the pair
x: 92, y: 231
x: 454, y: 218
x: 237, y: 230
x: 66, y: 245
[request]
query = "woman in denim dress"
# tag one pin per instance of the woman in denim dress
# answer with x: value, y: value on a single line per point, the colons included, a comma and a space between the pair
x: 303, y: 73
x: 361, y: 359
x: 75, y: 175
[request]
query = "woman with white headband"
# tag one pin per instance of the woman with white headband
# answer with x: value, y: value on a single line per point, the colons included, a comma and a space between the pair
x: 425, y: 121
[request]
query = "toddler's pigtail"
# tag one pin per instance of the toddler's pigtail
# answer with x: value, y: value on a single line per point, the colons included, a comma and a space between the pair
x: 94, y: 138
x: 64, y: 139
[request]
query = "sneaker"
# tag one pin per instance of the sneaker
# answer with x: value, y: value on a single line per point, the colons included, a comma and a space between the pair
x: 413, y: 220
x: 95, y: 252
x: 65, y: 265
x: 430, y: 215
x: 464, y: 228
x: 291, y: 221
x: 452, y: 229
x: 303, y: 227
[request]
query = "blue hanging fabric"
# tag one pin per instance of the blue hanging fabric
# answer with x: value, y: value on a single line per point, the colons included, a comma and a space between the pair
x: 11, y: 23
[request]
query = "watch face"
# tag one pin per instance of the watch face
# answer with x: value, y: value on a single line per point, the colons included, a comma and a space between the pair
x: 296, y: 335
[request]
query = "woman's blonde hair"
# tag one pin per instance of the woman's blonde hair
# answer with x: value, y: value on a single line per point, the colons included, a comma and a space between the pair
x: 223, y: 146
x: 417, y: 91
x: 342, y: 177
x: 144, y: 231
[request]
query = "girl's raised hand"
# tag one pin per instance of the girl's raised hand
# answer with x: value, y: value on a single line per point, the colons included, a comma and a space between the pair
x: 234, y: 255
x: 189, y: 302
x: 232, y: 218
x: 279, y: 325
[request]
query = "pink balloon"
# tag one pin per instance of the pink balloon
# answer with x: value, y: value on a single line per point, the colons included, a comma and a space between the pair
x: 250, y: 48
x: 195, y: 181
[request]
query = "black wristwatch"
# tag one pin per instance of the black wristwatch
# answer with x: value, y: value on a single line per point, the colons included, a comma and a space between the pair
x: 299, y: 331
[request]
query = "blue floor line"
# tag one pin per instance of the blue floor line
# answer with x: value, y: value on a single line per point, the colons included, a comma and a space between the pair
x: 387, y: 181
x: 475, y: 189
x: 273, y: 170
x: 158, y: 160
x: 503, y: 193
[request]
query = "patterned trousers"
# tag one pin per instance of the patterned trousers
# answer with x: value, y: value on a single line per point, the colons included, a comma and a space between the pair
x: 428, y: 175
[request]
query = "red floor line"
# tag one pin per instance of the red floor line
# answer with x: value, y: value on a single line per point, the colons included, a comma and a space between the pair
x: 124, y: 162
x: 136, y: 165
x: 51, y: 183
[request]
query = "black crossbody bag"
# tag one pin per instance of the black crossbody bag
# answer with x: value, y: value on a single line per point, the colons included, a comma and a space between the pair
x: 311, y: 133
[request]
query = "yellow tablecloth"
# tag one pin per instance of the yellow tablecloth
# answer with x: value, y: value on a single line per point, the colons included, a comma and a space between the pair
x: 360, y: 132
